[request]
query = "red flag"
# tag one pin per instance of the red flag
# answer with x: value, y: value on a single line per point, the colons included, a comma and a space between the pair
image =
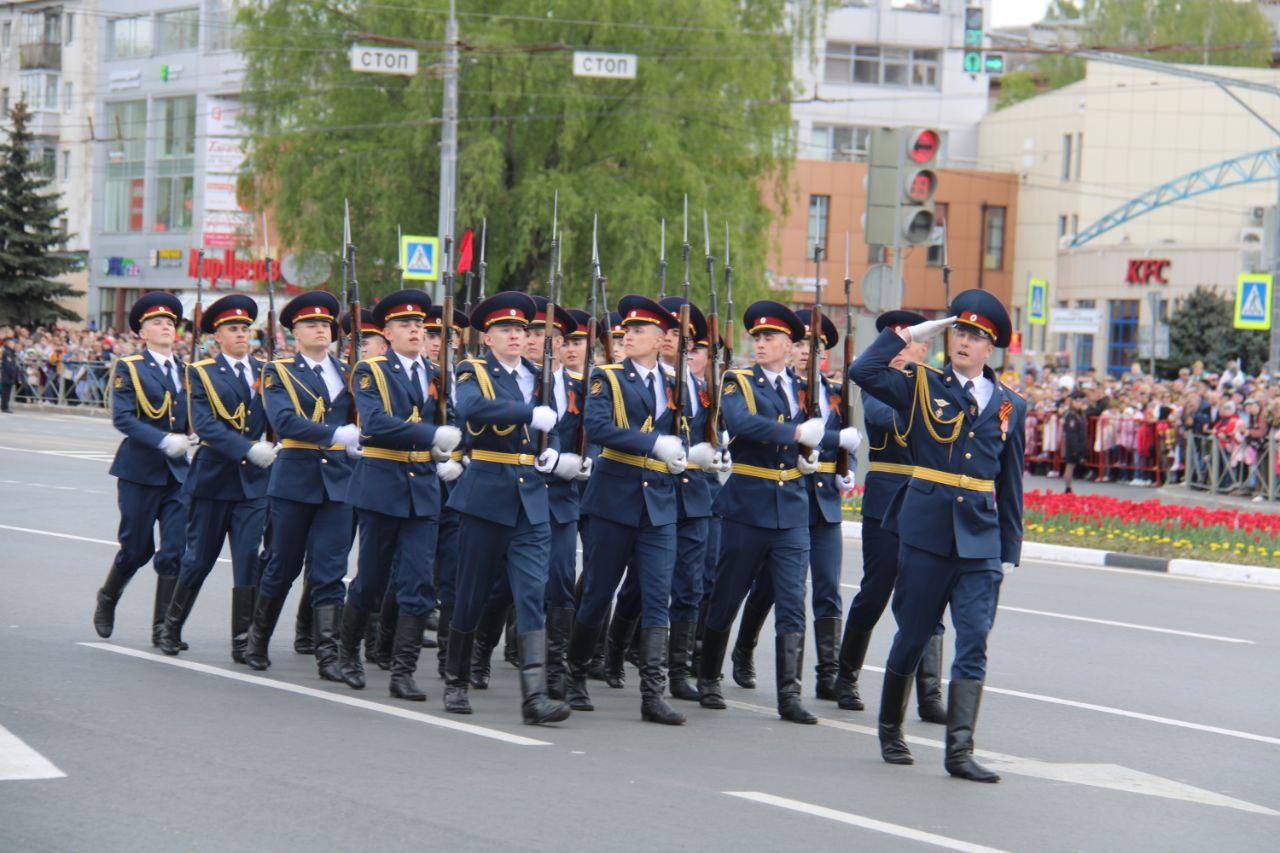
x: 464, y: 252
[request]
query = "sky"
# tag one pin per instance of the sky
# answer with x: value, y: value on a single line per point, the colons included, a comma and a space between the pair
x: 1008, y: 13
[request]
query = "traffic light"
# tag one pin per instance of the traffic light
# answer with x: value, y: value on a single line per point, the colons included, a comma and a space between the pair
x: 920, y: 183
x: 902, y: 180
x: 973, y: 40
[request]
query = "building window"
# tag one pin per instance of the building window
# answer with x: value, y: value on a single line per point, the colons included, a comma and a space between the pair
x: 1066, y: 157
x: 1079, y: 153
x: 1082, y: 358
x: 175, y: 164
x: 66, y: 97
x: 4, y: 102
x: 938, y: 251
x: 128, y: 38
x: 839, y: 142
x: 1122, y: 348
x: 49, y: 163
x: 6, y: 35
x: 40, y: 90
x: 881, y: 66
x: 219, y: 24
x: 1075, y: 224
x: 1062, y: 226
x: 126, y: 166
x: 993, y: 227
x: 929, y: 6
x: 69, y: 31
x: 819, y: 213
x: 66, y: 165
x: 178, y: 30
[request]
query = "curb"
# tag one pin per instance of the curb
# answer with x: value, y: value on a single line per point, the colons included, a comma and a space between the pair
x: 1256, y: 575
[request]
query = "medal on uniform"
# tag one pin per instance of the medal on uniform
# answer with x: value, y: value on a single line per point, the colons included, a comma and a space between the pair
x: 1006, y: 408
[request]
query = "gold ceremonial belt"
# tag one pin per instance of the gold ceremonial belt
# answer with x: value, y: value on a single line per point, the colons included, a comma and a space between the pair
x: 780, y: 475
x: 826, y: 467
x: 503, y: 458
x: 398, y: 455
x: 958, y: 481
x: 456, y: 456
x: 892, y: 468
x: 633, y: 459
x: 294, y: 444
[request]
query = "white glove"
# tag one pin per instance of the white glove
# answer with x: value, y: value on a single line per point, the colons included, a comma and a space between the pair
x: 844, y: 482
x: 346, y: 435
x: 447, y: 438
x: 466, y: 460
x: 355, y: 451
x: 262, y: 453
x: 810, y: 432
x: 438, y: 456
x: 930, y: 329
x: 724, y: 462
x: 568, y: 466
x: 723, y: 476
x: 1006, y: 568
x: 547, y: 461
x: 703, y: 455
x: 588, y: 465
x: 679, y: 465
x: 449, y: 470
x: 176, y: 444
x: 192, y: 439
x: 667, y: 448
x: 850, y: 439
x: 808, y: 464
x: 544, y: 418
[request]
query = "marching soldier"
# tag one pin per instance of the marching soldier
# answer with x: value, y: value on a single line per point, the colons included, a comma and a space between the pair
x: 889, y: 469
x: 632, y: 503
x: 826, y: 542
x: 502, y: 500
x: 395, y: 492
x: 149, y: 406
x: 959, y: 517
x: 764, y: 506
x: 228, y: 479
x: 308, y: 404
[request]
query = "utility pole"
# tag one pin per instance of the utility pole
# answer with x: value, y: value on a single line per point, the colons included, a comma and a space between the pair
x: 1274, y: 238
x: 449, y: 135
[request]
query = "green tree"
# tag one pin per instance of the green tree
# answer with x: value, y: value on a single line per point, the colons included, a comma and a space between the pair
x: 1201, y: 329
x: 31, y: 241
x: 708, y: 115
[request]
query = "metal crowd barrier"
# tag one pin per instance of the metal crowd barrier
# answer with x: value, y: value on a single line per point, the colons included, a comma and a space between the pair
x: 1117, y: 448
x: 71, y: 382
x: 1215, y: 466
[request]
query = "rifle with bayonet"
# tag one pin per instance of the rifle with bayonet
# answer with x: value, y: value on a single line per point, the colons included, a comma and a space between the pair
x: 197, y: 336
x: 662, y: 262
x: 445, y: 359
x: 271, y: 309
x: 846, y: 386
x: 682, y: 353
x: 593, y: 329
x: 813, y: 378
x: 351, y: 290
x: 547, y: 386
x: 727, y: 353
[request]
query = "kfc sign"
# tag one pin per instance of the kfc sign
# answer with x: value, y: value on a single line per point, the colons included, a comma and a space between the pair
x: 1147, y: 271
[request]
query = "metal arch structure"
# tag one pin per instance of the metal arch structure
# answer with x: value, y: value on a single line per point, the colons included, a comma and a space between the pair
x: 1252, y: 168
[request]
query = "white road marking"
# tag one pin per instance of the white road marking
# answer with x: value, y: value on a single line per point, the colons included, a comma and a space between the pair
x: 83, y: 455
x: 57, y: 535
x: 863, y: 822
x: 19, y: 761
x: 337, y: 698
x: 1113, y: 777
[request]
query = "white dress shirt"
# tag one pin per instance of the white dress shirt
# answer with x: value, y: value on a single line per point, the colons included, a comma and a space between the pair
x: 524, y: 378
x: 983, y: 389
x: 163, y: 361
x: 772, y: 379
x: 407, y: 364
x: 659, y: 385
x: 692, y: 393
x: 248, y: 370
x: 561, y: 392
x: 332, y: 378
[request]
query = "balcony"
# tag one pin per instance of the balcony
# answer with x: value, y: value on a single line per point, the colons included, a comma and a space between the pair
x: 44, y: 54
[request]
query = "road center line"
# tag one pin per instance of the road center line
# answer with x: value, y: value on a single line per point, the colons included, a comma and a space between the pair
x: 337, y: 698
x: 863, y: 822
x: 98, y: 456
x: 71, y: 536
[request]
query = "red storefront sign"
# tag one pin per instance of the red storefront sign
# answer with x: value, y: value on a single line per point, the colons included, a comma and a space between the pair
x: 1147, y: 271
x: 231, y: 268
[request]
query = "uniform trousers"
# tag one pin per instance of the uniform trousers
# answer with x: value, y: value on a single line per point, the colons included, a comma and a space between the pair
x: 686, y: 575
x: 879, y: 571
x: 210, y: 523
x: 140, y: 508
x: 407, y: 545
x: 446, y: 578
x: 488, y: 551
x: 320, y: 534
x: 747, y: 552
x: 825, y: 544
x: 648, y: 551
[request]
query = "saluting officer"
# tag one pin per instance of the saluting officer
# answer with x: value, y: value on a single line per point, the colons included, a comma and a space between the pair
x: 632, y: 503
x: 890, y: 467
x: 764, y: 506
x: 826, y: 542
x: 228, y: 480
x: 309, y: 405
x: 959, y: 517
x: 395, y: 491
x: 502, y: 499
x: 149, y: 406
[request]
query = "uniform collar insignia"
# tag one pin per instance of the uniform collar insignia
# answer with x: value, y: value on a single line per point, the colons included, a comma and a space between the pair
x: 941, y: 402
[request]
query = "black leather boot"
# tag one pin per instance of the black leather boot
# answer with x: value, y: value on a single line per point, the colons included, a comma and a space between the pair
x: 104, y: 614
x: 510, y: 652
x: 789, y: 655
x: 164, y: 594
x: 442, y: 633
x: 853, y: 651
x: 432, y: 622
x: 184, y: 598
x: 304, y: 642
x: 266, y: 612
x: 681, y: 662
x: 458, y: 672
x: 384, y: 646
x: 406, y: 645
x: 826, y: 637
x: 559, y: 624
x: 744, y: 662
x: 350, y: 665
x: 326, y: 642
x: 653, y: 677
x: 615, y: 655
x: 242, y: 599
x: 372, y: 627
x: 703, y: 606
x: 595, y: 669
x: 535, y: 707
x: 713, y: 646
x: 893, y: 710
x: 929, y: 683
x: 488, y: 635
x: 963, y: 699
x: 582, y: 641
x: 632, y: 655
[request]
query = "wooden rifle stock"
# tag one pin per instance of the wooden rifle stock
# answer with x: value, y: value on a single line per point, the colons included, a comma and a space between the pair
x: 682, y: 367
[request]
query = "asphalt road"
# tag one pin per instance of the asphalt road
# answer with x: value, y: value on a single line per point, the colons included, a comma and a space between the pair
x: 1126, y: 711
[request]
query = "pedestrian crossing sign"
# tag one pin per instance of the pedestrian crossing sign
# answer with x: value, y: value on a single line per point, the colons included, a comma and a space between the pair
x: 1253, y: 301
x: 418, y: 258
x: 1037, y: 301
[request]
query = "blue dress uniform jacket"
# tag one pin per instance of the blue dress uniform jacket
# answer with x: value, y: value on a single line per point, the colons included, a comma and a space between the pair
x: 304, y: 418
x: 395, y: 476
x: 228, y: 420
x: 946, y: 434
x: 888, y: 454
x: 496, y: 419
x: 145, y: 407
x: 763, y: 440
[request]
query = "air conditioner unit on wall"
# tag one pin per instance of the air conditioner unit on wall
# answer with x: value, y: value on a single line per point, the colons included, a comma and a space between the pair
x: 1256, y: 215
x: 1251, y: 236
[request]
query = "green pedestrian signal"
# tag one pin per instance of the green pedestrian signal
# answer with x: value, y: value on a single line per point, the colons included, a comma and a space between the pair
x: 973, y: 40
x: 972, y: 62
x: 993, y: 63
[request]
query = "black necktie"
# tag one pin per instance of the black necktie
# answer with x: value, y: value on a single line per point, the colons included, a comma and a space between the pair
x: 171, y: 375
x: 782, y: 395
x: 415, y: 375
x: 653, y: 393
x: 244, y: 380
x: 324, y: 386
x: 969, y: 395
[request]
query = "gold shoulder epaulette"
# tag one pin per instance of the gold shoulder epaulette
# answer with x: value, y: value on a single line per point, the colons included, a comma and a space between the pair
x: 204, y: 362
x: 471, y: 361
x: 609, y: 366
x: 741, y: 371
x: 132, y: 358
x: 373, y: 359
x: 1013, y: 391
x: 572, y: 375
x: 283, y: 362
